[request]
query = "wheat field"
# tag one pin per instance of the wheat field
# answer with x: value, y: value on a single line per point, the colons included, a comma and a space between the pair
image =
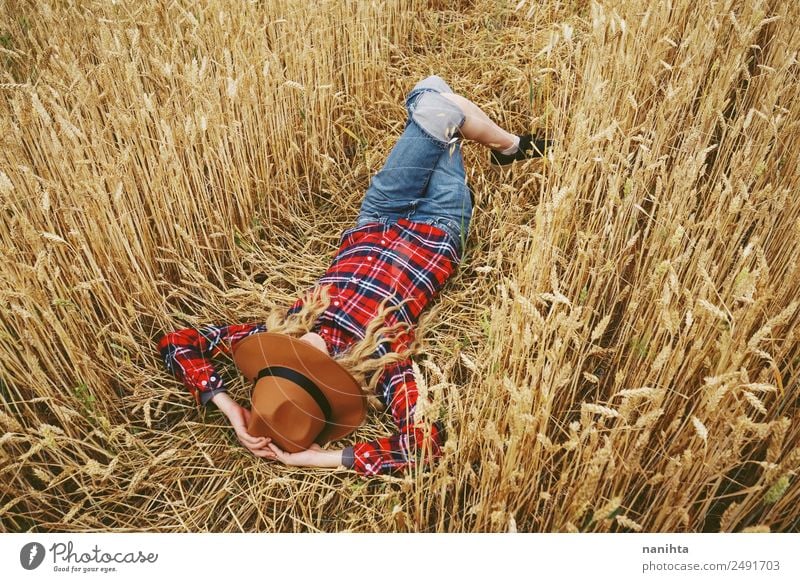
x: 618, y: 350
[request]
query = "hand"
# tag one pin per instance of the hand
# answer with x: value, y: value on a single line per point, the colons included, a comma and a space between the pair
x: 239, y: 418
x: 313, y: 456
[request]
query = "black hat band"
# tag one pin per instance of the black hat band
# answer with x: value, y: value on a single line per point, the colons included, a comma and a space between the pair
x: 301, y: 380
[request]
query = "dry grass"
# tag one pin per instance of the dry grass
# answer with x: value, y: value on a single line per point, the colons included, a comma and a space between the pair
x: 618, y: 351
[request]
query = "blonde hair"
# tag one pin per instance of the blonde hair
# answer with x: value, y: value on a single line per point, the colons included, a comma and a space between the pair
x: 360, y: 357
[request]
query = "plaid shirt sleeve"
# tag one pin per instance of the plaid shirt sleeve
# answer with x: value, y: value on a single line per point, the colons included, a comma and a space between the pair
x: 187, y: 354
x: 413, y: 443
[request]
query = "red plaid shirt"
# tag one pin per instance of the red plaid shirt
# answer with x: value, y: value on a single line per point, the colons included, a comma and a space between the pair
x: 398, y: 261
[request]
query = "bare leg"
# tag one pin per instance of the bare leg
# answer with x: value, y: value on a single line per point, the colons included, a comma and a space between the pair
x: 478, y: 127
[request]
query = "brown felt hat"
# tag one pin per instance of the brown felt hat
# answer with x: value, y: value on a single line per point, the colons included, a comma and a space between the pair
x: 301, y: 395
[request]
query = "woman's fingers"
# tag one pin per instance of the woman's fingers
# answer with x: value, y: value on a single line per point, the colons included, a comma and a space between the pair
x: 252, y: 440
x: 262, y: 444
x: 256, y: 445
x: 257, y: 442
x: 264, y: 454
x: 278, y: 454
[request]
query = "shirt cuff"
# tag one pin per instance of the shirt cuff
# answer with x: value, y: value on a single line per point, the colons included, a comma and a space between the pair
x: 207, y: 395
x: 348, y: 458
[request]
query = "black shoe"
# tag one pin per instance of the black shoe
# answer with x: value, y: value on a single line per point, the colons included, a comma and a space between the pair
x: 529, y: 147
